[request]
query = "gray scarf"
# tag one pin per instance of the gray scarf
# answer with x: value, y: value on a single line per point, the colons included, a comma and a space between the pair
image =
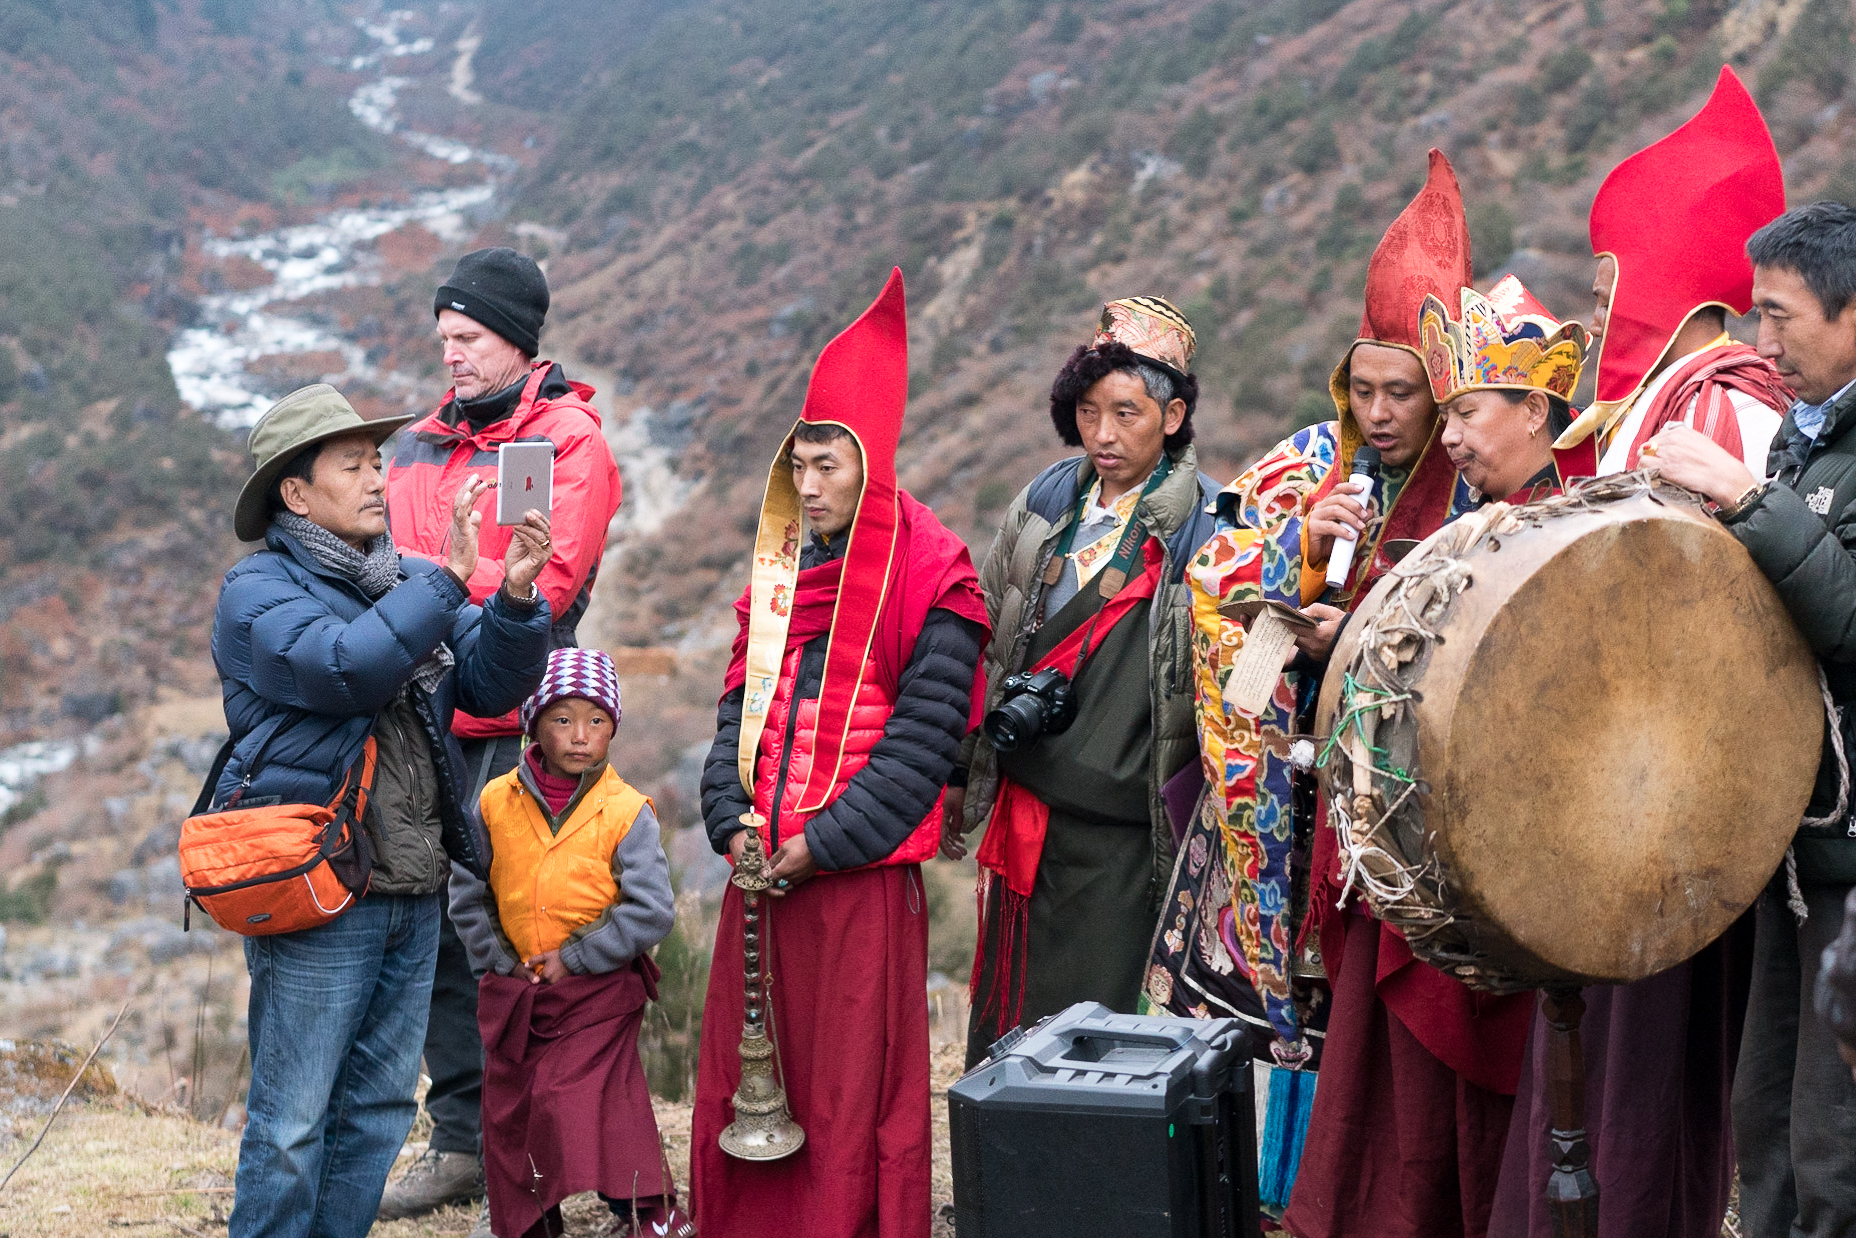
x: 377, y: 572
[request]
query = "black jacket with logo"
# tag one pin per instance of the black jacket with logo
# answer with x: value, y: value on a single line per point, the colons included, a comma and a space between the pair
x: 1802, y: 534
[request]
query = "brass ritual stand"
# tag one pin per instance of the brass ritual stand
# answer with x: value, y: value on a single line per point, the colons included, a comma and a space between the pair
x: 1572, y: 1191
x: 763, y: 1130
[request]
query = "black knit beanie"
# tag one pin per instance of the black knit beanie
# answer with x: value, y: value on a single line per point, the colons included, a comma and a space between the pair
x: 503, y: 290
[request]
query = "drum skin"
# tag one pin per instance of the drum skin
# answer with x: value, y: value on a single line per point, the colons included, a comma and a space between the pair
x: 1616, y: 740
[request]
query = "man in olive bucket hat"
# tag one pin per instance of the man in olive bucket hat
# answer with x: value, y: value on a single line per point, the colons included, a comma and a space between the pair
x: 323, y: 639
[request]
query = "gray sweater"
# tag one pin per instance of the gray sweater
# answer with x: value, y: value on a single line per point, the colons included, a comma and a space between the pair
x: 638, y: 921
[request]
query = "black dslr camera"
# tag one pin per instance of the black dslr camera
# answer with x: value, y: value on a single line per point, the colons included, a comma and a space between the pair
x: 1033, y: 705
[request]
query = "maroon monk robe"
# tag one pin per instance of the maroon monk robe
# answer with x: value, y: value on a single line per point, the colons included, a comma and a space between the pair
x: 848, y: 953
x: 1659, y: 1074
x: 565, y: 1104
x: 1400, y: 1145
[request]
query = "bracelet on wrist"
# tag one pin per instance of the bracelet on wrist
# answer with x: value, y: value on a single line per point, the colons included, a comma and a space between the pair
x: 529, y: 599
x: 1744, y: 500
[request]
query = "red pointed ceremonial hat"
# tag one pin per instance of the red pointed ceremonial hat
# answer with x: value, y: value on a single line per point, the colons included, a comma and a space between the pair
x: 1424, y: 253
x: 861, y: 382
x: 1675, y: 217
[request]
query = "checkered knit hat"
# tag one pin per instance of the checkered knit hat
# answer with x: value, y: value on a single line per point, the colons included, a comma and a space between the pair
x: 585, y: 673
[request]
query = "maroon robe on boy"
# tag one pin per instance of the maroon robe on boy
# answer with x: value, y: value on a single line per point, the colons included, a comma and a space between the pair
x: 565, y: 1092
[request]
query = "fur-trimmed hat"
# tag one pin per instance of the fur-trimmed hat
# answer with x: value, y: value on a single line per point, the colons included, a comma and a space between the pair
x: 1134, y: 331
x: 586, y: 673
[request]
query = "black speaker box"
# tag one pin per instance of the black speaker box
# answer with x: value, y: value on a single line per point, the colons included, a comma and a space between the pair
x: 1102, y: 1124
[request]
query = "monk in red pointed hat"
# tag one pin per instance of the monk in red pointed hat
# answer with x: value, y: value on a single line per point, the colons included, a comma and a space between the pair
x: 1670, y: 226
x: 1669, y: 229
x: 852, y: 685
x: 1417, y: 1072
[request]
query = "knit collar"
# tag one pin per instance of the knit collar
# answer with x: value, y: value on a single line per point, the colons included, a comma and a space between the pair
x: 376, y: 571
x: 527, y: 771
x: 489, y: 409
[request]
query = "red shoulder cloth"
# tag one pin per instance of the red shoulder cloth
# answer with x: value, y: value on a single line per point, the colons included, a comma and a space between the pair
x: 1706, y: 379
x: 931, y: 570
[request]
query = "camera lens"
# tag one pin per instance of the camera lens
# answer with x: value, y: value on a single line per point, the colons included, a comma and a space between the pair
x: 1015, y: 723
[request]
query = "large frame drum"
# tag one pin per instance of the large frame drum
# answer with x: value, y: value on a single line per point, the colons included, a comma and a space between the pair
x: 1570, y: 742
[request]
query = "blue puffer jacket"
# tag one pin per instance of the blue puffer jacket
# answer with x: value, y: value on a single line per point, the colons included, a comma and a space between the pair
x: 306, y: 662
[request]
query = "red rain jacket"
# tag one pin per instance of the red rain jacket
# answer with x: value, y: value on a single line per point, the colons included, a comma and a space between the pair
x: 434, y: 459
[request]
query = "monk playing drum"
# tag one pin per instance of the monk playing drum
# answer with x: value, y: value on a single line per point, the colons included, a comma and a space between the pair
x: 1665, y: 1167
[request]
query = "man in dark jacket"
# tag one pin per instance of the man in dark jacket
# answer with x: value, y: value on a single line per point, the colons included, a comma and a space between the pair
x: 324, y: 640
x: 1794, y: 1101
x: 1086, y: 578
x: 490, y: 314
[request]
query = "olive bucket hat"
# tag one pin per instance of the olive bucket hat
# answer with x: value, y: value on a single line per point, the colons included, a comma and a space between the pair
x: 301, y: 419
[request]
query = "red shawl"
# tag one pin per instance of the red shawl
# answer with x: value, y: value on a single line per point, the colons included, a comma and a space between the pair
x: 931, y: 570
x: 1706, y: 379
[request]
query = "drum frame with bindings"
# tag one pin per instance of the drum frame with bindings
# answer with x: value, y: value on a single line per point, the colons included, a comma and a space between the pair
x: 1386, y: 729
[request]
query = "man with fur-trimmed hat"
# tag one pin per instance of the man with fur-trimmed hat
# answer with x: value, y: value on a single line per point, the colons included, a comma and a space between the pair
x: 1089, y: 691
x: 490, y: 314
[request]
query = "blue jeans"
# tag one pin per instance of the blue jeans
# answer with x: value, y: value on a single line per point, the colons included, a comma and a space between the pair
x: 337, y: 1019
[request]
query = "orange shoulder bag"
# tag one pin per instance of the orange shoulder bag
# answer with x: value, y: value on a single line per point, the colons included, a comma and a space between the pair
x: 280, y: 868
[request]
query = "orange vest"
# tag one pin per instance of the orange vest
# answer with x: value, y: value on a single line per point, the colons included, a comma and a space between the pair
x: 546, y: 885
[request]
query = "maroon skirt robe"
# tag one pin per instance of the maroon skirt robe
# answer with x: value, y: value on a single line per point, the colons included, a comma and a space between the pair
x: 565, y: 1105
x: 1400, y: 1145
x: 849, y: 959
x: 1659, y: 1076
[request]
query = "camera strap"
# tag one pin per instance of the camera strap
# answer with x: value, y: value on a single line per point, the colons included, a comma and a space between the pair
x: 1076, y: 648
x: 1110, y: 580
x: 1113, y: 578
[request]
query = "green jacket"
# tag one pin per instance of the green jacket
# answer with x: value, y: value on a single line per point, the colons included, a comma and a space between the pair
x: 1802, y: 533
x: 1013, y: 580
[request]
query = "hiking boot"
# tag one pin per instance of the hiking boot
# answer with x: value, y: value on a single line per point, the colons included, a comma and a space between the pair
x: 482, y: 1228
x: 435, y: 1180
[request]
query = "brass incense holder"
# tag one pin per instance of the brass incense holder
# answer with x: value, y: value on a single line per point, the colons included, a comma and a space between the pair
x: 763, y: 1129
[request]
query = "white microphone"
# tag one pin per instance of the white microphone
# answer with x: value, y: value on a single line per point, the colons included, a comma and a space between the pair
x: 1366, y: 476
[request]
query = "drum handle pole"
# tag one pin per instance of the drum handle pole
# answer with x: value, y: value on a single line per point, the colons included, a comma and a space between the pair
x: 1572, y: 1191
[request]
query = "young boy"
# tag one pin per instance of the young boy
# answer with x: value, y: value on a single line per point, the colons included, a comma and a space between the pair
x: 579, y: 892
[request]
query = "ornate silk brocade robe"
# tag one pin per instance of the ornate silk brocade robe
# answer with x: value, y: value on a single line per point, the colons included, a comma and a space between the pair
x: 1228, y: 932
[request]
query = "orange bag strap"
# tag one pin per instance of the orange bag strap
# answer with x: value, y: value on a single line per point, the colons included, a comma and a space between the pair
x: 369, y: 751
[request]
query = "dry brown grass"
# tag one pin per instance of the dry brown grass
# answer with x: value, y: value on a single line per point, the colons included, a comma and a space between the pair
x: 118, y: 1166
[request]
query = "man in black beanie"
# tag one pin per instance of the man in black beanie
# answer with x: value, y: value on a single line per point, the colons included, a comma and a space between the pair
x: 490, y: 314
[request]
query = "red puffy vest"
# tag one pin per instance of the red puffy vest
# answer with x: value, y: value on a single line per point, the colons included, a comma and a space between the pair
x: 869, y: 715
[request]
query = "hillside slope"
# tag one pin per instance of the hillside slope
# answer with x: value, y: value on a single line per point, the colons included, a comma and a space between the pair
x: 732, y: 186
x: 716, y: 187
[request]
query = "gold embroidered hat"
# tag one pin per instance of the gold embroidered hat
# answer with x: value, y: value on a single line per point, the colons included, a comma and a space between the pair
x: 1153, y: 328
x: 1504, y: 341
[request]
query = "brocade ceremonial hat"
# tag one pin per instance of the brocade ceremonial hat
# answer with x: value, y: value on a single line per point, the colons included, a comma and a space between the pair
x: 861, y: 382
x: 1676, y: 217
x: 1505, y: 341
x: 301, y: 419
x: 586, y: 673
x: 1151, y: 327
x: 1424, y: 253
